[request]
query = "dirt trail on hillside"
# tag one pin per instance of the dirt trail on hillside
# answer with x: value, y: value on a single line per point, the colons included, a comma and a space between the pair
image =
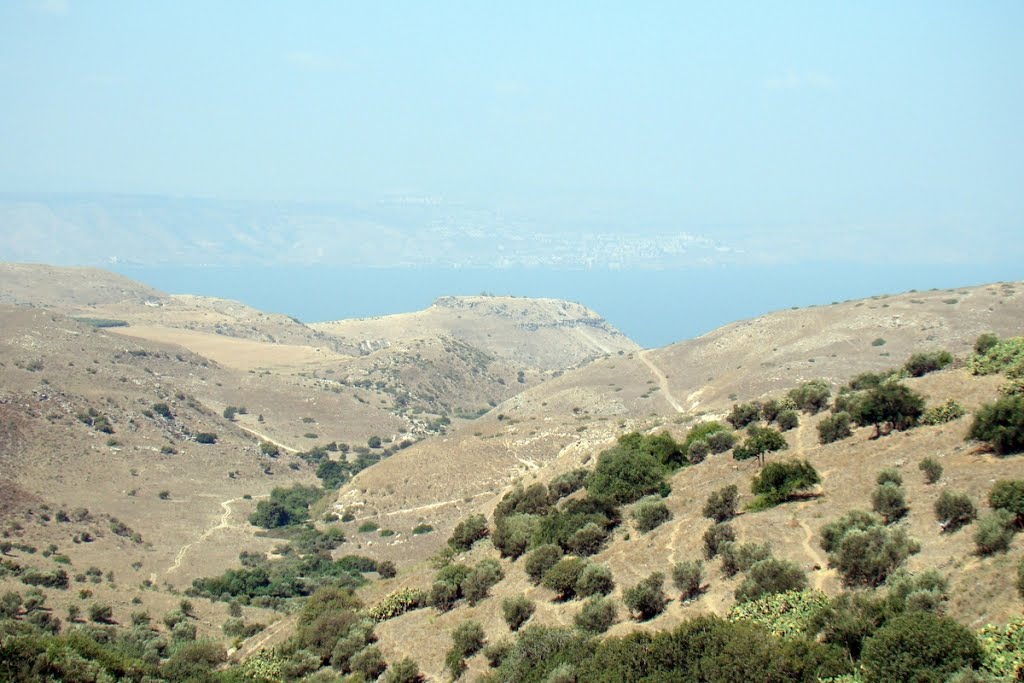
x: 260, y: 435
x: 812, y: 550
x: 662, y: 381
x: 224, y: 523
x: 258, y: 641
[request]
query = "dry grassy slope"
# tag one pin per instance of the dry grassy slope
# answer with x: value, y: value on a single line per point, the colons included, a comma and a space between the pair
x: 544, y: 334
x: 982, y: 588
x: 755, y: 357
x: 53, y: 368
x: 68, y: 289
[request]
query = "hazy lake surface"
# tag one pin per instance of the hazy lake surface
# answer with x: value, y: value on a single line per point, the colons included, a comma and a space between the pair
x: 654, y: 307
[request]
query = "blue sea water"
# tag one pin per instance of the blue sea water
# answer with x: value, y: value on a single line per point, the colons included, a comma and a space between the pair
x: 653, y: 307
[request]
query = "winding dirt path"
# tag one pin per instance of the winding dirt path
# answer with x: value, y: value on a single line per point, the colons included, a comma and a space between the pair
x: 224, y: 523
x: 662, y: 381
x: 264, y: 437
x: 256, y: 643
x: 810, y: 548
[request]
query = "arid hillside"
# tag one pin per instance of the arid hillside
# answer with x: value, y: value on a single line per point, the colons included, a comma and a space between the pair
x: 693, y: 379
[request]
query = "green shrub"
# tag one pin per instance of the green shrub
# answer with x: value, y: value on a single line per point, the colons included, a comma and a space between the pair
x: 834, y: 427
x: 514, y: 533
x: 740, y: 557
x: 468, y: 532
x: 563, y: 576
x: 687, y: 577
x: 919, y: 646
x: 954, y: 510
x: 421, y: 529
x: 369, y: 662
x: 1001, y: 424
x: 567, y: 483
x: 404, y: 671
x: 994, y: 532
x: 703, y: 431
x: 812, y: 396
x: 651, y: 513
x: 697, y: 451
x: 468, y: 638
x: 932, y: 470
x: 787, y: 420
x: 646, y: 599
x: 286, y: 507
x: 478, y: 583
x: 890, y: 475
x: 941, y: 414
x: 206, y: 438
x: 101, y: 614
x: 867, y: 557
x: 625, y: 474
x: 517, y: 610
x: 716, y: 537
x: 597, y: 615
x: 540, y: 560
x: 595, y: 579
x: 927, y: 590
x: 889, y: 404
x: 721, y: 504
x: 889, y: 500
x: 743, y: 414
x: 770, y: 576
x: 921, y: 364
x: 984, y: 342
x: 721, y: 441
x: 588, y: 539
x: 778, y: 482
x: 368, y: 527
x: 1008, y: 494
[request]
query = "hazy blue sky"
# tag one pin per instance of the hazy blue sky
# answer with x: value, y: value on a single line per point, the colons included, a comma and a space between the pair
x: 745, y: 121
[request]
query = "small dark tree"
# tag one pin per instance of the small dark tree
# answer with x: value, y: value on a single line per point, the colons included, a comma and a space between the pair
x: 760, y: 441
x: 1001, y: 424
x: 540, y: 560
x: 787, y: 420
x: 687, y: 577
x: 779, y: 481
x: 889, y: 501
x: 985, y: 342
x: 919, y: 646
x: 721, y: 441
x: 597, y: 615
x: 834, y: 428
x: 954, y: 510
x: 373, y: 442
x: 771, y: 576
x: 468, y: 532
x: 867, y: 557
x: 646, y: 599
x: 743, y: 414
x: 206, y: 438
x: 721, y: 504
x: 651, y: 513
x: 737, y: 557
x: 889, y: 404
x: 563, y: 577
x: 595, y: 579
x: 921, y: 364
x: 101, y: 614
